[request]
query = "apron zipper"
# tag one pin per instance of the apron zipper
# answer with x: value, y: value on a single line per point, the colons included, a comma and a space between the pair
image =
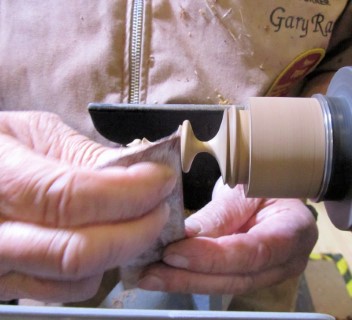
x: 136, y: 50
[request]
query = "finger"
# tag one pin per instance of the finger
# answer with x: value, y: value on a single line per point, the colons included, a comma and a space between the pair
x: 77, y: 253
x: 40, y: 190
x: 273, y: 241
x: 20, y: 286
x: 46, y: 134
x: 163, y: 278
x: 225, y: 214
x: 225, y: 255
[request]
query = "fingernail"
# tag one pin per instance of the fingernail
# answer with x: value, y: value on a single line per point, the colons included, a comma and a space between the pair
x: 169, y: 172
x: 176, y: 261
x: 171, y: 177
x: 165, y: 211
x: 152, y: 283
x: 193, y: 227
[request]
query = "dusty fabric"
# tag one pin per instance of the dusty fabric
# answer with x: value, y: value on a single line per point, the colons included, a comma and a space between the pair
x: 60, y: 56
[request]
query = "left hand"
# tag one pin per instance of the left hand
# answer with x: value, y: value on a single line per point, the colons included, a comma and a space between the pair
x: 236, y: 245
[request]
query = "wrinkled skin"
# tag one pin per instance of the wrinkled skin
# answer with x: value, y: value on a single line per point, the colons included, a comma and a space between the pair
x: 236, y: 245
x: 62, y: 222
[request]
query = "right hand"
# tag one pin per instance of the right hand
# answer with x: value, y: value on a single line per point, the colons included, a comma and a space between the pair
x: 63, y: 223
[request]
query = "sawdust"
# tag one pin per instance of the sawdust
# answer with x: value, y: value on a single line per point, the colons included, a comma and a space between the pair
x: 239, y: 35
x: 221, y: 99
x: 184, y: 15
x: 127, y: 295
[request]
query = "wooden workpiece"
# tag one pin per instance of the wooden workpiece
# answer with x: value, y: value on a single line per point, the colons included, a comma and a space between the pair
x: 276, y: 147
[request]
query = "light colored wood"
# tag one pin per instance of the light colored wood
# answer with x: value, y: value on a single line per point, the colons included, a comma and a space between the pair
x: 332, y: 240
x: 276, y: 147
x: 287, y: 148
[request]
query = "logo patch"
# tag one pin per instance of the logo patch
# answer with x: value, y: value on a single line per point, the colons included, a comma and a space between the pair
x: 295, y: 71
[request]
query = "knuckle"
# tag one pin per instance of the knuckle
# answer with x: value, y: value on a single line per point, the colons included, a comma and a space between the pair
x: 42, y: 119
x: 239, y: 285
x: 43, y: 115
x: 58, y: 197
x: 187, y: 286
x: 180, y: 283
x: 262, y: 256
x: 210, y: 265
x: 71, y: 264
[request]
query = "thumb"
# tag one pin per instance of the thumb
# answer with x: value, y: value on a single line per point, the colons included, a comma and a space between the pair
x: 224, y: 215
x: 46, y: 134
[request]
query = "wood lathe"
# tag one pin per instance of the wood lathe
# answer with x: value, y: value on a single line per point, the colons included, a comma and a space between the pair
x: 276, y: 147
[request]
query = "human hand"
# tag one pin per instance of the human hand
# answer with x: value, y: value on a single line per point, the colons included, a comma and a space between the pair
x: 63, y: 223
x: 236, y: 245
